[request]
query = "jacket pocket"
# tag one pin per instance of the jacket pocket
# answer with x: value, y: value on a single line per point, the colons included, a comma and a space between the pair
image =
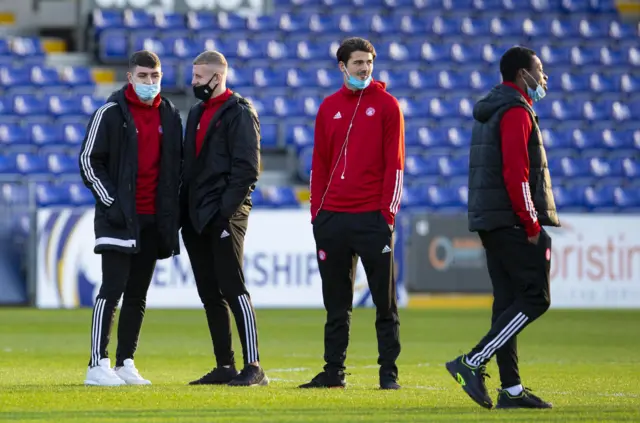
x: 115, y: 216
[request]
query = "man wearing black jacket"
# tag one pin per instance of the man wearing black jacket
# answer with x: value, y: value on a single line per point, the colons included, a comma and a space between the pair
x: 131, y: 161
x: 222, y: 161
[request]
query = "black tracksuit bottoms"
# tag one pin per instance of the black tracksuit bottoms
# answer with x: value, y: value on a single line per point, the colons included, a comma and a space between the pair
x: 216, y: 258
x: 128, y: 274
x: 519, y: 273
x: 340, y: 239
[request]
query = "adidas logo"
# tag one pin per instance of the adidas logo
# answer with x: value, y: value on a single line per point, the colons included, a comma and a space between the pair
x: 386, y: 249
x: 337, y: 116
x: 224, y: 234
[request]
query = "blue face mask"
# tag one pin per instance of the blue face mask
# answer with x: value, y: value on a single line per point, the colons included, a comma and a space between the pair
x: 537, y: 94
x: 147, y: 92
x: 356, y: 83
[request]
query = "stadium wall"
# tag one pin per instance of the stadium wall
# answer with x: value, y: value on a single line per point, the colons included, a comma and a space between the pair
x: 595, y: 261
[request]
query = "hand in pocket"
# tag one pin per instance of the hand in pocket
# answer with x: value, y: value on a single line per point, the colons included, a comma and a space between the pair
x: 115, y: 216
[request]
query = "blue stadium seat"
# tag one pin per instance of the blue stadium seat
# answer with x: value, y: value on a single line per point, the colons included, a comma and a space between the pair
x: 12, y: 193
x: 432, y: 52
x: 257, y: 198
x: 231, y: 22
x: 430, y: 139
x: 90, y: 104
x: 442, y: 109
x: 450, y: 80
x: 557, y: 140
x: 78, y: 194
x: 73, y: 133
x: 593, y: 29
x: 568, y: 197
x: 584, y: 56
x: 556, y: 55
x: 570, y: 82
x: 48, y: 194
x: 475, y: 27
x: 59, y: 164
x: 458, y: 137
x: 570, y: 167
x: 45, y: 76
x: 482, y: 82
x: 138, y: 19
x: 595, y: 111
x: 466, y: 53
x: 630, y: 83
x: 411, y: 108
x: 623, y: 30
x: 31, y: 164
x: 106, y: 19
x: 13, y: 134
x: 113, y: 45
x: 451, y: 167
x: 268, y: 135
x: 280, y: 196
x: 304, y: 163
x: 445, y: 26
x: 77, y: 76
x: 285, y: 107
x: 146, y: 39
x: 266, y: 78
x: 15, y: 76
x: 599, y: 197
x: 293, y: 23
x: 563, y: 28
x: 299, y: 135
x: 169, y: 21
x: 44, y: 134
x: 394, y: 79
x: 381, y: 24
x: 29, y: 105
x: 65, y: 105
x: 410, y: 24
x: 627, y: 199
x: 201, y: 20
x: 631, y: 168
x: 505, y: 27
x: 297, y: 78
x: 620, y: 111
x: 600, y: 83
x: 633, y: 56
x: 322, y: 23
x: 610, y: 56
x: 414, y: 196
x: 444, y: 198
x: 417, y: 166
x: 602, y: 168
x: 27, y: 48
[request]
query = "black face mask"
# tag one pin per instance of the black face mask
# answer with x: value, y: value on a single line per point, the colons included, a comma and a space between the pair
x: 203, y: 92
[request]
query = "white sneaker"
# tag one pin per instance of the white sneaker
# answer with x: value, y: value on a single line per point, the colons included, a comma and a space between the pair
x: 103, y: 375
x: 130, y: 374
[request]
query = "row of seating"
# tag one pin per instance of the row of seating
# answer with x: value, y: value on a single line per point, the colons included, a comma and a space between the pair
x: 414, y: 196
x: 46, y: 76
x: 575, y: 198
x: 117, y: 45
x: 529, y: 6
x: 53, y: 105
x: 22, y: 48
x: 407, y: 22
x: 74, y: 193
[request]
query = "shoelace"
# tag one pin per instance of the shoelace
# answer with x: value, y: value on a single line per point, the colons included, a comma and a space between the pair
x: 483, y: 372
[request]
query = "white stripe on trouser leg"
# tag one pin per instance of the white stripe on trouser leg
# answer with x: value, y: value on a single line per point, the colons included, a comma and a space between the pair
x: 512, y: 327
x: 249, y: 327
x: 252, y: 329
x: 499, y: 342
x: 96, y: 330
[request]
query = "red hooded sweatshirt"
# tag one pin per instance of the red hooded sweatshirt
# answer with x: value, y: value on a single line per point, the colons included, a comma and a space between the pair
x: 515, y: 130
x: 149, y: 128
x: 363, y: 172
x: 211, y: 106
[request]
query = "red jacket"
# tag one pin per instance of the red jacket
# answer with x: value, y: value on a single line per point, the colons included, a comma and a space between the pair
x: 211, y: 106
x: 365, y: 173
x: 515, y: 129
x: 149, y: 128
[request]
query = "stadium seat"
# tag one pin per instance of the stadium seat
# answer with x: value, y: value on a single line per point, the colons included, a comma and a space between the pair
x: 44, y: 76
x: 44, y: 134
x: 15, y: 76
x: 300, y: 135
x: 78, y: 194
x: 65, y: 105
x: 77, y: 76
x: 31, y: 164
x: 138, y: 19
x: 268, y: 135
x: 13, y: 134
x: 600, y: 198
x: 29, y: 105
x: 169, y: 21
x: 414, y: 197
x: 106, y: 19
x: 627, y: 199
x: 48, y: 194
x: 29, y: 49
x: 280, y: 196
x: 113, y: 45
x: 73, y: 133
x: 444, y: 198
x: 568, y: 197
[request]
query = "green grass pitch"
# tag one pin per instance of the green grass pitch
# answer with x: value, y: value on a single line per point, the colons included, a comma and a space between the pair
x: 585, y: 362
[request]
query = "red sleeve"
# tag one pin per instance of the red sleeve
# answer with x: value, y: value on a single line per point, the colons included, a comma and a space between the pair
x: 320, y: 163
x: 515, y: 129
x: 393, y: 141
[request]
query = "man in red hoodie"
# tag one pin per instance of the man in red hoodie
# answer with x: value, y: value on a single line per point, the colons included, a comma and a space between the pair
x: 131, y: 160
x: 356, y: 187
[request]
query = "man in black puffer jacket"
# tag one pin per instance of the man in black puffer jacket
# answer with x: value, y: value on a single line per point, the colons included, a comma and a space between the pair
x: 510, y: 198
x: 131, y: 160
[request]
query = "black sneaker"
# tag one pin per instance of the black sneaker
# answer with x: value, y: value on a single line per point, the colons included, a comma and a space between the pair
x: 326, y: 379
x: 389, y: 379
x: 250, y: 376
x: 217, y: 376
x: 471, y: 379
x: 526, y: 399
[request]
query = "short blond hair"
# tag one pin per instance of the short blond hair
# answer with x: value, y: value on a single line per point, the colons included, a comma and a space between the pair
x: 211, y: 58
